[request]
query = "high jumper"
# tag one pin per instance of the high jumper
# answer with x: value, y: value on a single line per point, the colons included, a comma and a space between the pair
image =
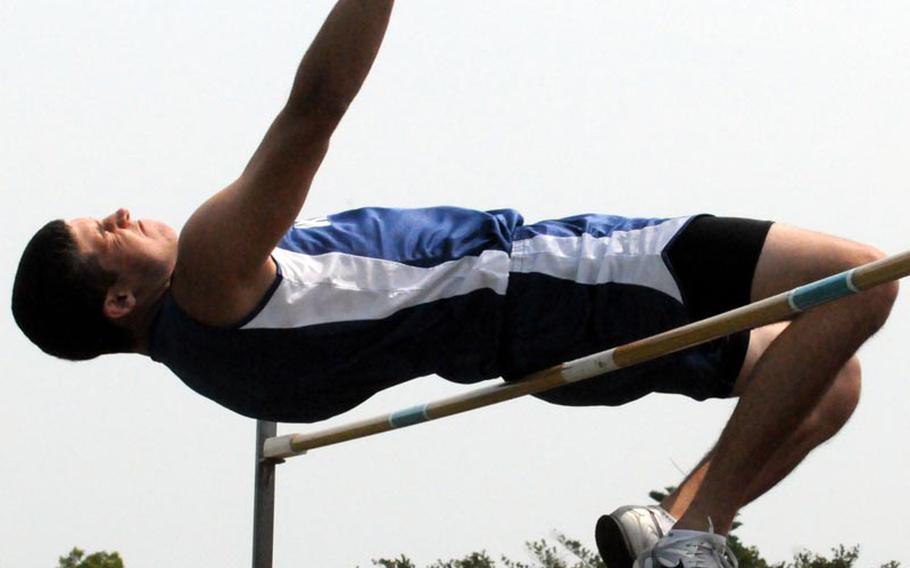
x: 300, y: 321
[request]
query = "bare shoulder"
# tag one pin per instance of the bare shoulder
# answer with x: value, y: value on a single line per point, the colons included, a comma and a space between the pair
x: 224, y: 263
x: 210, y: 282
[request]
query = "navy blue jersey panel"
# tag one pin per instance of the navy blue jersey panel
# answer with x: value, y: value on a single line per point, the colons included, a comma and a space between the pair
x: 312, y: 373
x: 550, y: 321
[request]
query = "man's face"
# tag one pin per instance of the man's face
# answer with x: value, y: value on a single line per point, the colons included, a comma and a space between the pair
x: 142, y: 253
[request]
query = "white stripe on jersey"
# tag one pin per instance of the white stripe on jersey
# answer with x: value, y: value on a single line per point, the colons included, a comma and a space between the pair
x: 338, y: 287
x: 623, y: 257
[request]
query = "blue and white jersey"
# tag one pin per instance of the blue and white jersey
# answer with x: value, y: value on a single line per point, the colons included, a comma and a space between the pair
x: 373, y: 297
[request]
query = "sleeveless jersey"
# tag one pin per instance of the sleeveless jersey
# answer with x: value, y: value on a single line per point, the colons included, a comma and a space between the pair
x: 373, y: 297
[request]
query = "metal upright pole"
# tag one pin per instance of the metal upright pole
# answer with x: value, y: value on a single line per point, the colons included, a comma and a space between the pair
x: 264, y: 498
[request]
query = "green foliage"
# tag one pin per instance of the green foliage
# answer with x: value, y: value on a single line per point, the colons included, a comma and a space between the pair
x: 659, y: 496
x: 565, y: 553
x: 77, y: 559
x: 747, y: 556
x: 569, y: 553
x: 402, y: 562
x: 842, y: 558
x: 473, y: 560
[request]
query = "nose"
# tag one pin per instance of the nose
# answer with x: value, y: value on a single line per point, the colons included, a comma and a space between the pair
x: 118, y: 219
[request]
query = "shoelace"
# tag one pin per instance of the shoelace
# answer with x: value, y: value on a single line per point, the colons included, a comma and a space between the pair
x: 702, y: 554
x: 724, y: 556
x: 722, y: 552
x: 707, y: 554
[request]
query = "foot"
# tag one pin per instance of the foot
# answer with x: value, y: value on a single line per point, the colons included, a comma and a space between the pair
x: 688, y: 549
x: 628, y: 532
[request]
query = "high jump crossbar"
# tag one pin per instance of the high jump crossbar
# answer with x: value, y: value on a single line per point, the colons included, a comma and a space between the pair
x: 773, y: 309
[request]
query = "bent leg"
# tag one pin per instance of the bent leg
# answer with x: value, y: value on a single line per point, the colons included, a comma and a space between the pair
x: 795, y: 371
x: 821, y: 423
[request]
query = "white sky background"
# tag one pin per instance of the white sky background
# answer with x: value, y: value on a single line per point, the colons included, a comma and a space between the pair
x: 791, y: 111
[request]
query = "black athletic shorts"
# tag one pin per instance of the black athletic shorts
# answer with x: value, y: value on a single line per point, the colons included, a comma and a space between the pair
x: 699, y: 267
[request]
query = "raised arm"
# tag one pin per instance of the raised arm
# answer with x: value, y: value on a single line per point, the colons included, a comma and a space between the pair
x: 337, y: 62
x: 223, y: 262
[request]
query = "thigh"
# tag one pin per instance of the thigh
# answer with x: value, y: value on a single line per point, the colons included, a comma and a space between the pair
x: 792, y: 256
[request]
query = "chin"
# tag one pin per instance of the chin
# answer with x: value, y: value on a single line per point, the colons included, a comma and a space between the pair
x: 158, y: 229
x: 169, y: 232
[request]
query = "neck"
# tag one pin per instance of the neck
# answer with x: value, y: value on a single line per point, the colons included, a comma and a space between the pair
x: 140, y: 324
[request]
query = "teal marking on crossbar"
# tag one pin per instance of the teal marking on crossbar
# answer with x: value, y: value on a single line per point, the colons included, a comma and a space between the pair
x: 409, y: 416
x: 830, y: 288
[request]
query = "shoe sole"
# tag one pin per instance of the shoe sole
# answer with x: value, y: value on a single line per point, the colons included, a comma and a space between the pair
x: 612, y: 543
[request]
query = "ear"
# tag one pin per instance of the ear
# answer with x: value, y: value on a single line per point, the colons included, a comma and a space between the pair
x: 118, y: 303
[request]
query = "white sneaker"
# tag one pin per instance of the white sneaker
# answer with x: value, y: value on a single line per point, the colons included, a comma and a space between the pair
x: 688, y: 549
x: 628, y: 532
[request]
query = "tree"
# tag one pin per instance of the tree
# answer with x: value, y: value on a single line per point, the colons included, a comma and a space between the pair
x: 569, y: 553
x: 402, y: 562
x: 749, y: 556
x: 549, y: 556
x: 77, y: 559
x: 566, y: 553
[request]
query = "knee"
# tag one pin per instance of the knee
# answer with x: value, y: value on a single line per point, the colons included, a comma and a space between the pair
x: 841, y: 400
x: 875, y: 302
x: 847, y: 389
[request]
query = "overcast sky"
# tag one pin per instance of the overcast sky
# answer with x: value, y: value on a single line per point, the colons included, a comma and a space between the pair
x: 796, y: 112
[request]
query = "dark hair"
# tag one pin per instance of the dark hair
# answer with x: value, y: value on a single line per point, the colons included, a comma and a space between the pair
x: 58, y: 298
